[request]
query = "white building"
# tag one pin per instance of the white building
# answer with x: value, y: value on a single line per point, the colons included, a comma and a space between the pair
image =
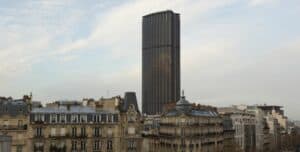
x: 244, y: 126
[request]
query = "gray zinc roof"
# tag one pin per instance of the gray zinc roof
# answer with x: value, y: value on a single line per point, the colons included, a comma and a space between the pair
x: 194, y: 112
x: 72, y: 109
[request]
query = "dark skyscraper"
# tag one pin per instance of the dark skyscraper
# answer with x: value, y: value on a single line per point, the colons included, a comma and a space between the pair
x: 161, y: 61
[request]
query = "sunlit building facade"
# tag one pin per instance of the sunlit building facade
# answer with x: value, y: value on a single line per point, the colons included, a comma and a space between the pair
x: 14, y: 122
x: 66, y: 126
x: 187, y: 128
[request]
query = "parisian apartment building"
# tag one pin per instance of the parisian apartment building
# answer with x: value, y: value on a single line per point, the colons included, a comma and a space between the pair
x: 116, y: 124
x: 104, y: 125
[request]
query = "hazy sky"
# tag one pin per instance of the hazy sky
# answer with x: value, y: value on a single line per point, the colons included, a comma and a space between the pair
x: 232, y: 51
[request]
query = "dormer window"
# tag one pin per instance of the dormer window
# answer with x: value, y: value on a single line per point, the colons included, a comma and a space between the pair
x: 83, y: 118
x: 74, y: 118
x: 53, y: 118
x: 103, y: 118
x: 115, y: 118
x: 62, y: 118
x: 39, y: 117
x: 94, y: 118
x: 109, y: 118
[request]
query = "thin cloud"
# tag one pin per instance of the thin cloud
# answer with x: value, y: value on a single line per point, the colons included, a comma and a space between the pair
x: 123, y: 22
x: 262, y: 2
x: 223, y: 50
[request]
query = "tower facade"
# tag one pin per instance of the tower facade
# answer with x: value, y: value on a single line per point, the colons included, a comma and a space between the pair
x: 160, y: 61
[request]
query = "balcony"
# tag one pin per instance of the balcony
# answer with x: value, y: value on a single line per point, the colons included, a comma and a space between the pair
x: 38, y: 122
x: 38, y: 136
x: 97, y: 135
x: 38, y: 148
x: 13, y: 127
x: 58, y: 149
x: 57, y: 136
x: 79, y: 136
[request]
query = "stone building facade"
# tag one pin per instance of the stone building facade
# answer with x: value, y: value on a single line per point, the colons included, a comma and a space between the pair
x: 187, y: 128
x: 244, y: 126
x: 229, y: 144
x: 113, y: 125
x: 14, y: 114
x: 263, y: 136
x: 271, y: 125
x: 5, y: 143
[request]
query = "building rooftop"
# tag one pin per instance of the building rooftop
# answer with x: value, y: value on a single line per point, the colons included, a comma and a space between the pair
x: 71, y: 109
x: 13, y: 107
x: 160, y: 12
x: 183, y: 106
x: 129, y: 99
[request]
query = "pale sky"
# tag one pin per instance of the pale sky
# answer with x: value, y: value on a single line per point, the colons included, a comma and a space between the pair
x: 232, y: 51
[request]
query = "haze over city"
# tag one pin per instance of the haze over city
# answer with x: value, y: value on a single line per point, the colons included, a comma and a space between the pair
x: 232, y: 52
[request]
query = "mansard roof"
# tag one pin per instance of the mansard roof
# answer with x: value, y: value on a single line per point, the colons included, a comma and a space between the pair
x: 13, y: 107
x: 129, y: 99
x: 183, y: 106
x: 70, y: 110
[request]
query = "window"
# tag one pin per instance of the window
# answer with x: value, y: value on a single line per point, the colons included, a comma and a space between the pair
x: 103, y: 118
x: 38, y: 132
x: 96, y: 131
x: 83, y: 118
x: 109, y: 145
x: 98, y: 118
x: 53, y: 118
x: 39, y: 117
x: 74, y: 118
x: 83, y: 132
x: 83, y: 145
x: 131, y: 144
x: 38, y: 147
x: 74, y: 145
x: 74, y: 132
x: 94, y: 118
x: 62, y: 118
x: 97, y: 145
x: 19, y: 148
x: 115, y: 118
x: 109, y: 118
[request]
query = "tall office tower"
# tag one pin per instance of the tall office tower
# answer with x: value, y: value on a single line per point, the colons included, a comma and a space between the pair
x: 161, y: 61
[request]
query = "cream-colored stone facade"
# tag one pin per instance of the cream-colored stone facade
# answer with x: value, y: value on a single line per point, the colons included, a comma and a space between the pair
x: 14, y: 122
x: 187, y: 128
x: 86, y: 128
x: 244, y: 125
x: 16, y: 127
x: 111, y: 125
